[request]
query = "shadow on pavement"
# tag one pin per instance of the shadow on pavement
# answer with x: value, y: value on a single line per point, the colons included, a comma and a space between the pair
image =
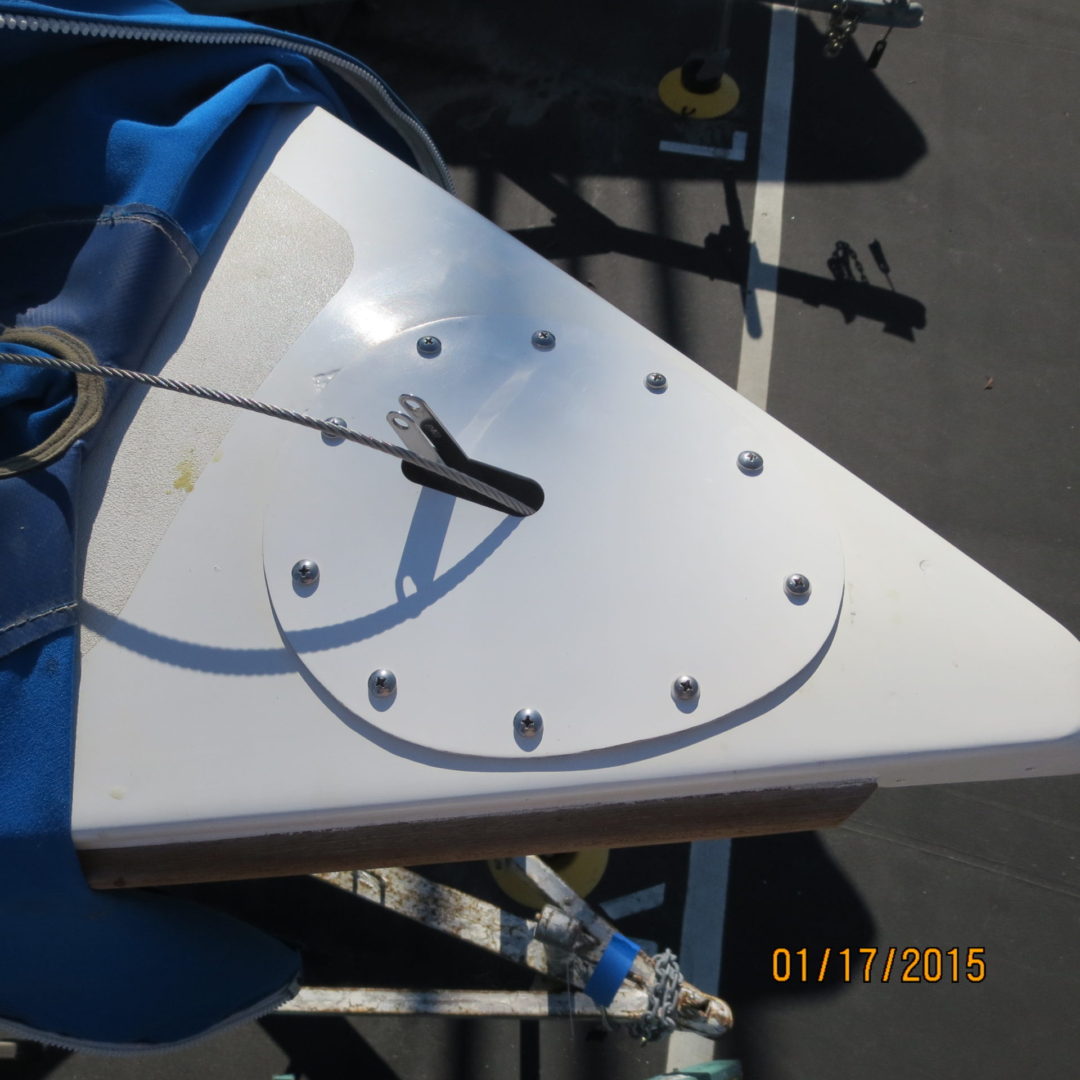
x: 575, y: 86
x: 578, y: 230
x: 548, y: 94
x: 786, y: 892
x: 325, y: 1048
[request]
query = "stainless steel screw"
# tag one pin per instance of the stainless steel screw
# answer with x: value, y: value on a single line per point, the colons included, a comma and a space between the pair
x: 751, y: 461
x: 382, y: 683
x: 328, y: 438
x: 543, y: 340
x: 685, y: 688
x: 306, y: 572
x: 429, y: 346
x: 656, y: 381
x: 797, y: 585
x: 528, y: 723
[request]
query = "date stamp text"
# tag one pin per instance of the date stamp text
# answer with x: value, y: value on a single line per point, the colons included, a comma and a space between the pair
x: 890, y: 963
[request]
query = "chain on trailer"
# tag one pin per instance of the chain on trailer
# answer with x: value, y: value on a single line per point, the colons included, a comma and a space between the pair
x: 842, y: 23
x: 844, y: 18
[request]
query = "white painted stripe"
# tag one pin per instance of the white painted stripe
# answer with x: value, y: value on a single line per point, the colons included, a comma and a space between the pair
x: 755, y: 352
x: 685, y: 1049
x: 703, y: 918
x: 702, y: 942
x: 632, y: 903
x: 736, y: 152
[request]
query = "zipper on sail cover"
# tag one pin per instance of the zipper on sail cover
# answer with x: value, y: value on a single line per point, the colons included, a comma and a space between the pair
x: 362, y: 79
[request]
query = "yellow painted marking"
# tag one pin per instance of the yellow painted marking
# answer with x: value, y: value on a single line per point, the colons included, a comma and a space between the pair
x: 698, y: 106
x: 581, y: 870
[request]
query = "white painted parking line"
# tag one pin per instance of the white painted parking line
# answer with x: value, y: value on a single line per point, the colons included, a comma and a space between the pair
x: 735, y: 152
x: 755, y: 352
x: 703, y: 917
x: 700, y: 951
x: 632, y: 903
x: 702, y: 941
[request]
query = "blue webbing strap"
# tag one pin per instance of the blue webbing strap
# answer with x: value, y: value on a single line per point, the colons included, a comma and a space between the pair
x: 614, y: 966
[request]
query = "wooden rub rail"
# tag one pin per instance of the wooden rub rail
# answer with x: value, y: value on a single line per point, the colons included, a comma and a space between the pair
x: 626, y: 824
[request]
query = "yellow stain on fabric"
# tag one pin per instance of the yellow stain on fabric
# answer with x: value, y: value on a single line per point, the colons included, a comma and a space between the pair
x: 186, y: 474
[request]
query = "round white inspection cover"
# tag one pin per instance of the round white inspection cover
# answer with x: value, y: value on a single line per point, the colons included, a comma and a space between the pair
x: 652, y: 557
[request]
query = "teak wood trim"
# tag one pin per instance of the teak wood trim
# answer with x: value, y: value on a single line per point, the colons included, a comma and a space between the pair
x: 624, y: 824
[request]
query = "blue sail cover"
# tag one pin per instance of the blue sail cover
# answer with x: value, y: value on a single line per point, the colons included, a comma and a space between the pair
x: 123, y: 151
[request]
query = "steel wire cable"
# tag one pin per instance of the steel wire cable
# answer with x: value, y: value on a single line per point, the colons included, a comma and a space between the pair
x: 335, y: 431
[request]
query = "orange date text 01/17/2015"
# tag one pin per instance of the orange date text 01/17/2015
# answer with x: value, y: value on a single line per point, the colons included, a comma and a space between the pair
x: 887, y: 964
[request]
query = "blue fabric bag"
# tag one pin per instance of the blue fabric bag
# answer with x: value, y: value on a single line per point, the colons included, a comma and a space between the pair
x: 128, y: 129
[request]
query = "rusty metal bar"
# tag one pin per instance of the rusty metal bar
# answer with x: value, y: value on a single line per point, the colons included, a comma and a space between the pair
x: 902, y: 14
x: 695, y: 1010
x: 450, y: 911
x: 534, y: 869
x: 626, y: 1008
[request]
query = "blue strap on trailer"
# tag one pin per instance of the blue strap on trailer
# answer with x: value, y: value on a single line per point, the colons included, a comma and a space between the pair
x: 613, y: 967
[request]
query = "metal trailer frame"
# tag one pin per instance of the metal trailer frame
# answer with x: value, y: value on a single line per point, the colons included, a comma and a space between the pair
x: 903, y: 14
x: 563, y: 946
